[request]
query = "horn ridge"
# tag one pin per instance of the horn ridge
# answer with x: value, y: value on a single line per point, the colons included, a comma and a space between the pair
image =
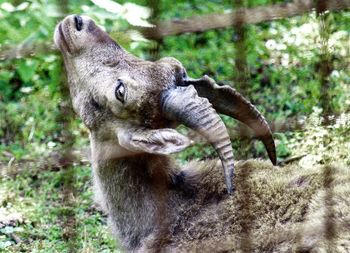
x: 228, y: 101
x: 177, y: 105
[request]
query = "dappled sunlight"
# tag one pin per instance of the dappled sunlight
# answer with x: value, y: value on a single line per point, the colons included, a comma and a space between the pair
x: 290, y: 47
x: 323, y: 140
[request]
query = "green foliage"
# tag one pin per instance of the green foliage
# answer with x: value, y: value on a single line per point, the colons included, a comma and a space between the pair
x: 37, y: 197
x: 323, y: 142
x: 283, y: 60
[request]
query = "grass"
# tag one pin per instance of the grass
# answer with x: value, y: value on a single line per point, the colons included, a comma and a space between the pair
x: 52, y: 210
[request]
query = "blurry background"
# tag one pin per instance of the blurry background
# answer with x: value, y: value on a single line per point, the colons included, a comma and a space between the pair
x: 290, y: 58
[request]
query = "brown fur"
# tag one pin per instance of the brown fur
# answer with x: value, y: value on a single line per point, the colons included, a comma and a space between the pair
x: 153, y: 205
x: 273, y: 210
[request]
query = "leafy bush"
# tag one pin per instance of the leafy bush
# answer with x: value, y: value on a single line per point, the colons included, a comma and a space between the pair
x: 321, y: 142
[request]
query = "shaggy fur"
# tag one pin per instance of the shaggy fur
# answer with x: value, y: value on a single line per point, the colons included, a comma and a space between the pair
x: 153, y: 205
x: 274, y: 209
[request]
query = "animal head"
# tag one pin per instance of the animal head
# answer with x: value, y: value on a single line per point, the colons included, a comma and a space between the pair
x: 143, y: 101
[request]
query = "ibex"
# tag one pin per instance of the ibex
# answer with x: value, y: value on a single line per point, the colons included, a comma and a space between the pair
x: 131, y: 108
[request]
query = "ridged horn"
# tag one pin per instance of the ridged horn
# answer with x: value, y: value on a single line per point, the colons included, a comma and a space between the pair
x: 228, y: 101
x: 183, y: 105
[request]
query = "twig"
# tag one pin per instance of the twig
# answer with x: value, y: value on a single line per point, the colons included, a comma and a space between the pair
x: 199, y: 24
x: 246, y: 16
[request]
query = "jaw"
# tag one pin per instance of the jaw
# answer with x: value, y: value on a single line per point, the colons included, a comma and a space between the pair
x: 70, y: 40
x: 108, y: 150
x: 61, y: 40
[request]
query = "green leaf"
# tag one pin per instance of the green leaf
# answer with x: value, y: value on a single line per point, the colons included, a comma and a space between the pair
x: 7, y: 230
x: 26, y: 69
x: 5, y: 244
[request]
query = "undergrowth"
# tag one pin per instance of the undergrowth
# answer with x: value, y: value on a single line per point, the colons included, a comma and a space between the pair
x: 50, y: 210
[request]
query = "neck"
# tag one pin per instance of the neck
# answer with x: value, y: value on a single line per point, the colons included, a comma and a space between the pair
x: 134, y: 192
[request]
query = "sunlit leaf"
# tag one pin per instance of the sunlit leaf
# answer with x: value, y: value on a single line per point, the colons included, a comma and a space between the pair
x: 136, y: 36
x: 53, y: 10
x: 136, y: 15
x: 108, y: 5
x: 22, y: 6
x: 7, y: 7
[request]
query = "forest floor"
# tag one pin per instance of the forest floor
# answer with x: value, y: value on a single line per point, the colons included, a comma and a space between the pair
x: 50, y: 209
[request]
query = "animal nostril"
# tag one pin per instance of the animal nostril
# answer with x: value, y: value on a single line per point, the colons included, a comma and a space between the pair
x: 78, y: 22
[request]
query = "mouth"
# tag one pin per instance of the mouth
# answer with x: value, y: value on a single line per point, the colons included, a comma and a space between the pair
x: 63, y: 38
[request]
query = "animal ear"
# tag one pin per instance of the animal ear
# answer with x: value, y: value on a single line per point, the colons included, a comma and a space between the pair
x: 154, y: 141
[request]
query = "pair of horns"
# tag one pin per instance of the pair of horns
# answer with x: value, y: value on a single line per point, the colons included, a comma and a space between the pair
x: 195, y: 104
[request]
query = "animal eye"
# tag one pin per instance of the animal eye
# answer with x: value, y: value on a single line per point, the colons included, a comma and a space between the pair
x: 184, y: 74
x: 120, y: 91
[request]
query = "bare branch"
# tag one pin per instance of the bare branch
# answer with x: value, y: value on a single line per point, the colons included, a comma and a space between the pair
x: 26, y: 49
x: 199, y: 24
x: 247, y: 16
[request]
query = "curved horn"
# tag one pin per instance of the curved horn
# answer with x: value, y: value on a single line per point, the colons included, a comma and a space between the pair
x: 227, y: 100
x: 183, y: 105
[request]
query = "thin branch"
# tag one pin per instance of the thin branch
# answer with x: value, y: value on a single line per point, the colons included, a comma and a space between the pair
x: 25, y: 50
x: 198, y: 24
x: 247, y: 16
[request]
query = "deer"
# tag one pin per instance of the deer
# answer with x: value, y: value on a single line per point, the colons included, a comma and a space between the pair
x: 132, y: 107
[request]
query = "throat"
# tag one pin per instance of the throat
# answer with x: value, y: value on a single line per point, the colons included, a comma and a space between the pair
x: 150, y: 171
x: 134, y: 193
